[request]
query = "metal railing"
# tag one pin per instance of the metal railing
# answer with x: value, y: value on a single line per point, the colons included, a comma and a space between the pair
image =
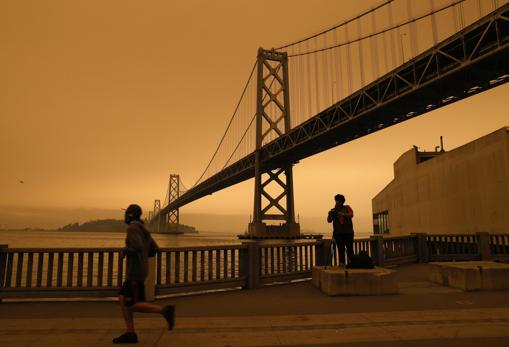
x: 55, y: 272
x: 282, y: 262
x: 99, y: 272
x: 499, y: 246
x: 199, y: 268
x: 400, y: 250
x: 385, y: 250
x: 453, y: 247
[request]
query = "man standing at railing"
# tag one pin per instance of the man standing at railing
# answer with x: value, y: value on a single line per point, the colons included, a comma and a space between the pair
x: 341, y: 218
x: 139, y: 246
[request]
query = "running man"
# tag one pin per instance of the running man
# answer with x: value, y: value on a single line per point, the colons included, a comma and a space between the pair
x: 139, y: 246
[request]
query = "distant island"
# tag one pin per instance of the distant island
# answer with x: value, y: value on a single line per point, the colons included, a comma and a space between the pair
x: 113, y: 225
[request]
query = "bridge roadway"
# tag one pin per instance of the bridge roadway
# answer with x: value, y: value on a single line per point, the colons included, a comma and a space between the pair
x: 473, y: 60
x: 423, y: 314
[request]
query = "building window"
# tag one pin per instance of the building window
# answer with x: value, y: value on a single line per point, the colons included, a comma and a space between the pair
x: 381, y: 222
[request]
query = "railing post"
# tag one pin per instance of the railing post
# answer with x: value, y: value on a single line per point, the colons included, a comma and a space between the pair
x: 249, y: 265
x: 3, y: 266
x: 243, y: 264
x: 377, y: 249
x: 483, y: 245
x: 323, y: 254
x: 421, y: 247
x: 150, y: 281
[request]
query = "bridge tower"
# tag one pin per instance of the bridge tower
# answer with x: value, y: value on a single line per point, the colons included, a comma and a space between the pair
x: 155, y: 213
x: 273, y: 195
x: 173, y: 217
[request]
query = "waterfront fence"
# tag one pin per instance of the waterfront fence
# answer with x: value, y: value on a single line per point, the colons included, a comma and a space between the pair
x: 60, y: 272
x: 99, y: 272
x: 284, y: 262
x: 499, y: 246
x: 188, y: 269
x: 453, y: 247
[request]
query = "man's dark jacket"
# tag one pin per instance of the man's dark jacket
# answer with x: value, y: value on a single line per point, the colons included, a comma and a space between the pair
x: 138, y: 243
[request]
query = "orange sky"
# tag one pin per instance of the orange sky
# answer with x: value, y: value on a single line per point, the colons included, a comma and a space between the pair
x: 101, y: 100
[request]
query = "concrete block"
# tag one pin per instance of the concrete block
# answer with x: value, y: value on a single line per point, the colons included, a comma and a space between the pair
x: 471, y: 275
x: 496, y: 278
x: 465, y: 278
x: 436, y: 275
x: 315, y: 276
x: 339, y: 281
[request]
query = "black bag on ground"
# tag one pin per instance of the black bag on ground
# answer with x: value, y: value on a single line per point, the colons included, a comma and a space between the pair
x: 360, y: 261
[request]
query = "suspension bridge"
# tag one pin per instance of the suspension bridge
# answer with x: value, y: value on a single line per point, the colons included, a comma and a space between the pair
x: 391, y: 63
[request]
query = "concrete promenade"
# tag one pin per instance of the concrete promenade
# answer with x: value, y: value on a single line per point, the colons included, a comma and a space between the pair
x: 423, y: 314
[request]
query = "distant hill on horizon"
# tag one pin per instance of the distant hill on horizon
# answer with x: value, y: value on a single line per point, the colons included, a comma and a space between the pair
x: 110, y: 225
x: 54, y: 218
x: 96, y: 225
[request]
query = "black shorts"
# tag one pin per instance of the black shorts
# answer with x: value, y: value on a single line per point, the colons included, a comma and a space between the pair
x: 133, y: 292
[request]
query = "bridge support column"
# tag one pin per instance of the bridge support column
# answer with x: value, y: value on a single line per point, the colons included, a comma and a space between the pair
x: 273, y: 195
x: 173, y: 216
x: 156, y: 214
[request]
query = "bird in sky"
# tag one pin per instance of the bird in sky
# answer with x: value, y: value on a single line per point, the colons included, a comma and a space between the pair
x: 21, y: 181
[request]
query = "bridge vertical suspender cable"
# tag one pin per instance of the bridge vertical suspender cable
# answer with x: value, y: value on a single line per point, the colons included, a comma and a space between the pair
x: 325, y: 72
x: 455, y: 11
x: 374, y: 47
x: 412, y: 30
x: 308, y: 72
x: 317, y: 77
x: 228, y: 126
x: 399, y: 42
x: 361, y: 53
x: 348, y: 62
x: 433, y: 22
x: 295, y: 85
x: 336, y: 56
x: 462, y: 16
x: 391, y: 37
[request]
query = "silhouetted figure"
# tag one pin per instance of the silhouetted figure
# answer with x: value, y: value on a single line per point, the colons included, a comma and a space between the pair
x: 341, y: 218
x: 139, y: 247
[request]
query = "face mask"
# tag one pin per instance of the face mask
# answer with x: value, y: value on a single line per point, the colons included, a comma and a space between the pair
x: 128, y: 218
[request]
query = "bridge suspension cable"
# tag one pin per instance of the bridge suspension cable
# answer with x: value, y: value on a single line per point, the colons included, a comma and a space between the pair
x: 379, y: 32
x: 385, y: 3
x: 183, y: 186
x: 249, y: 125
x: 228, y: 126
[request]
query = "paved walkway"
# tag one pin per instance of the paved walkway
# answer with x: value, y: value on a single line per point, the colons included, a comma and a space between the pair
x: 423, y: 314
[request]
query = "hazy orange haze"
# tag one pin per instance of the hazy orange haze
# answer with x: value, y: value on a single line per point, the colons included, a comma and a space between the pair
x: 101, y: 100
